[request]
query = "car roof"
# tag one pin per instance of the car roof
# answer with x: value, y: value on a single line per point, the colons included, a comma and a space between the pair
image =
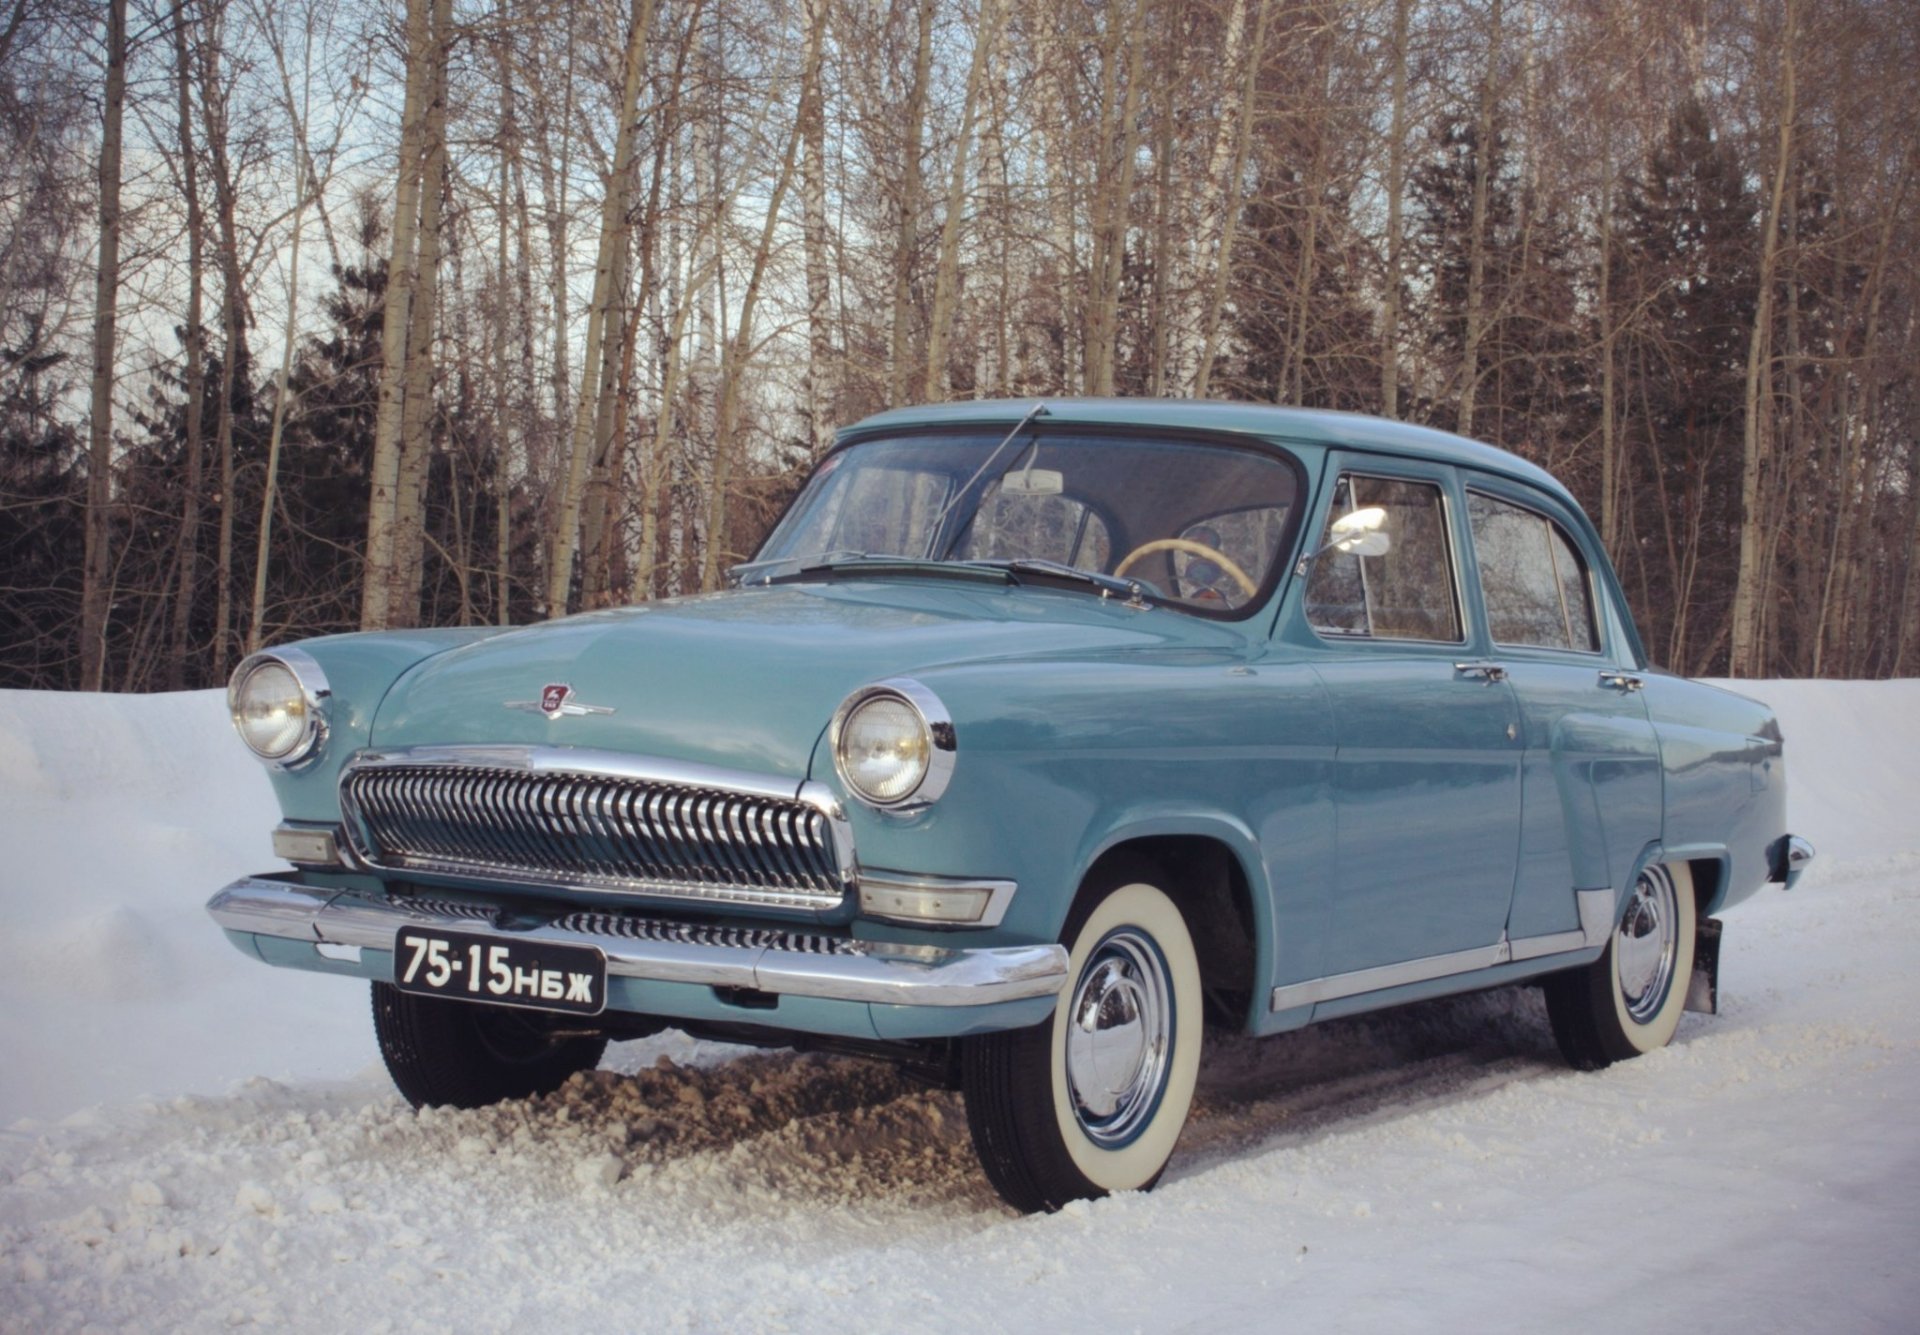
x: 1343, y: 430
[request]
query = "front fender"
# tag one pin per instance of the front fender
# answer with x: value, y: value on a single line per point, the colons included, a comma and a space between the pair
x: 361, y: 669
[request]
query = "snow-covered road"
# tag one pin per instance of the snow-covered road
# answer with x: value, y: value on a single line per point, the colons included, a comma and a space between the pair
x: 1433, y: 1168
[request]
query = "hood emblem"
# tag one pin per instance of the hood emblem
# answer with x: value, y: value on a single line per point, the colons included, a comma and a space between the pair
x: 556, y: 698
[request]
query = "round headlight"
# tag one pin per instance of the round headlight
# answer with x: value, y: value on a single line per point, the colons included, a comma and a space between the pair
x: 277, y: 708
x: 893, y: 745
x: 883, y: 750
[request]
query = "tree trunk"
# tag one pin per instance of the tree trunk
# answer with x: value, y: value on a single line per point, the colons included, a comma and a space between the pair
x: 1228, y: 193
x: 906, y: 243
x: 608, y: 271
x: 947, y: 270
x: 733, y: 365
x: 96, y: 600
x: 416, y: 408
x: 1484, y: 128
x: 553, y: 194
x: 813, y: 212
x: 233, y: 320
x: 256, y: 622
x: 1396, y: 192
x: 376, y: 590
x: 1119, y: 144
x: 1755, y: 437
x: 186, y: 553
x: 504, y: 280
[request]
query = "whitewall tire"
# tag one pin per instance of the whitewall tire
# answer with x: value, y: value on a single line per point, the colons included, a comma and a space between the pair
x: 1093, y: 1100
x: 1629, y: 1001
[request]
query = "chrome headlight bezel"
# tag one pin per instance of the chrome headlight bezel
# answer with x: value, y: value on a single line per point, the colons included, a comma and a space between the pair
x: 936, y: 727
x: 315, y: 693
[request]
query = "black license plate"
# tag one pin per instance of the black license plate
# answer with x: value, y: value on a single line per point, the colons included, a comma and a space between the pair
x: 536, y: 974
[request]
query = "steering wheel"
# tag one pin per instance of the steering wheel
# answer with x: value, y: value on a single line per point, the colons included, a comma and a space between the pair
x: 1191, y: 548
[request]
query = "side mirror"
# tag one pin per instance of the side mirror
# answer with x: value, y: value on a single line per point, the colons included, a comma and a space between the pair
x: 1359, y: 533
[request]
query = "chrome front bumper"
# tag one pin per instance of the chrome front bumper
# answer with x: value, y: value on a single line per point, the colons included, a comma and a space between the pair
x: 777, y: 961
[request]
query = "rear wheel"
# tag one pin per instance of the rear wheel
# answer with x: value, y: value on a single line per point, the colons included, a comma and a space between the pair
x: 1093, y: 1100
x: 1629, y: 1001
x: 466, y: 1055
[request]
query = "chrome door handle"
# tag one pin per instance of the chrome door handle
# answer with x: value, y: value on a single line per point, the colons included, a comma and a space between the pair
x: 1487, y: 672
x: 1621, y: 681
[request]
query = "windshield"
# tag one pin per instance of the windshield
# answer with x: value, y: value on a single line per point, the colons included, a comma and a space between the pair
x: 1199, y: 525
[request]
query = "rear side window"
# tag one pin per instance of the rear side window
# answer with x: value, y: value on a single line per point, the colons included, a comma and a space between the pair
x: 1406, y: 592
x: 1532, y: 577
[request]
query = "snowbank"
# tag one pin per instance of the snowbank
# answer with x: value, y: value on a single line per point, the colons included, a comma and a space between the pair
x: 122, y: 815
x: 199, y: 1141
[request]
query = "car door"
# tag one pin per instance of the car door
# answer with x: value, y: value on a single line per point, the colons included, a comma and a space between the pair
x: 1590, y: 771
x: 1427, y: 762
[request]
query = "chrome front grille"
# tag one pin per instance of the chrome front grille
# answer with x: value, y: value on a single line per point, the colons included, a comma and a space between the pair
x: 707, y: 934
x: 526, y: 818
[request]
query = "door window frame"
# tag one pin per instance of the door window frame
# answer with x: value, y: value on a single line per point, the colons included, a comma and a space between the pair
x: 1595, y: 620
x: 1443, y: 479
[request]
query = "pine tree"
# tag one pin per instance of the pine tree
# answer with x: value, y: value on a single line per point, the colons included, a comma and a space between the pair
x: 1687, y: 230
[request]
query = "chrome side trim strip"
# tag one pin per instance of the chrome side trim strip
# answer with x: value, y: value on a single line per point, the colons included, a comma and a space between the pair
x: 1532, y: 947
x: 1596, y: 924
x: 788, y: 963
x: 1387, y: 975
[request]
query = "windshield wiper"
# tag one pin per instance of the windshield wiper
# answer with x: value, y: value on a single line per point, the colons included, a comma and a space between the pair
x: 862, y: 565
x: 1135, y: 591
x: 939, y: 521
x: 763, y: 572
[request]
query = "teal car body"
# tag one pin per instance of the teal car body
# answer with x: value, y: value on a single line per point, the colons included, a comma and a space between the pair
x: 1350, y: 817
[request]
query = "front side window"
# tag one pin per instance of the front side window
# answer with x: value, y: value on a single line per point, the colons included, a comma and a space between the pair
x: 1199, y: 525
x: 1405, y: 592
x: 1532, y: 578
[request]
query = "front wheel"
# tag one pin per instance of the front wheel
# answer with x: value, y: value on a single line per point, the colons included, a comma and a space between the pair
x: 1093, y: 1100
x: 1629, y: 1001
x: 464, y: 1054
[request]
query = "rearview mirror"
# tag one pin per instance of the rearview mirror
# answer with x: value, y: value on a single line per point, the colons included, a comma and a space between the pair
x: 1033, y: 482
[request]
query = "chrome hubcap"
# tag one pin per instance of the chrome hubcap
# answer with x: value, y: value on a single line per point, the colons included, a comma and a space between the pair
x: 1119, y: 1038
x: 1646, y: 944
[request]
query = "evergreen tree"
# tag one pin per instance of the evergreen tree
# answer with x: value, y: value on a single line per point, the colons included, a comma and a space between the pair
x: 1687, y: 226
x: 43, y: 496
x: 1536, y: 392
x: 1330, y: 333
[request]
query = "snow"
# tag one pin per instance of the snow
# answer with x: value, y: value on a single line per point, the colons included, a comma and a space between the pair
x: 197, y: 1141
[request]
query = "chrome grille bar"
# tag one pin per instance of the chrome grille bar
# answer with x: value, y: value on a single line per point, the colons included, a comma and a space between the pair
x: 580, y: 820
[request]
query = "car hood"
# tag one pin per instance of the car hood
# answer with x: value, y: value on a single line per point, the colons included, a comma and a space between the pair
x: 749, y: 678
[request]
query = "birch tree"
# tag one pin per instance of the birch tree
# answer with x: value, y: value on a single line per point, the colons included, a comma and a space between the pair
x: 98, y: 595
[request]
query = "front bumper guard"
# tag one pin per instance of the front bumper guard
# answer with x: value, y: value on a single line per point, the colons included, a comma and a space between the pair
x: 763, y: 960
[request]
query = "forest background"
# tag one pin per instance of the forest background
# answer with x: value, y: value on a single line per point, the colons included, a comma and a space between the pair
x: 325, y: 314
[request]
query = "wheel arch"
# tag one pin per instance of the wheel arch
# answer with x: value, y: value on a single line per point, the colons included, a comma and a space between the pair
x: 1711, y: 865
x: 1213, y: 872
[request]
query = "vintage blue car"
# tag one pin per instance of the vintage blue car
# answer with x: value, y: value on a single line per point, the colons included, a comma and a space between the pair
x: 1035, y: 738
